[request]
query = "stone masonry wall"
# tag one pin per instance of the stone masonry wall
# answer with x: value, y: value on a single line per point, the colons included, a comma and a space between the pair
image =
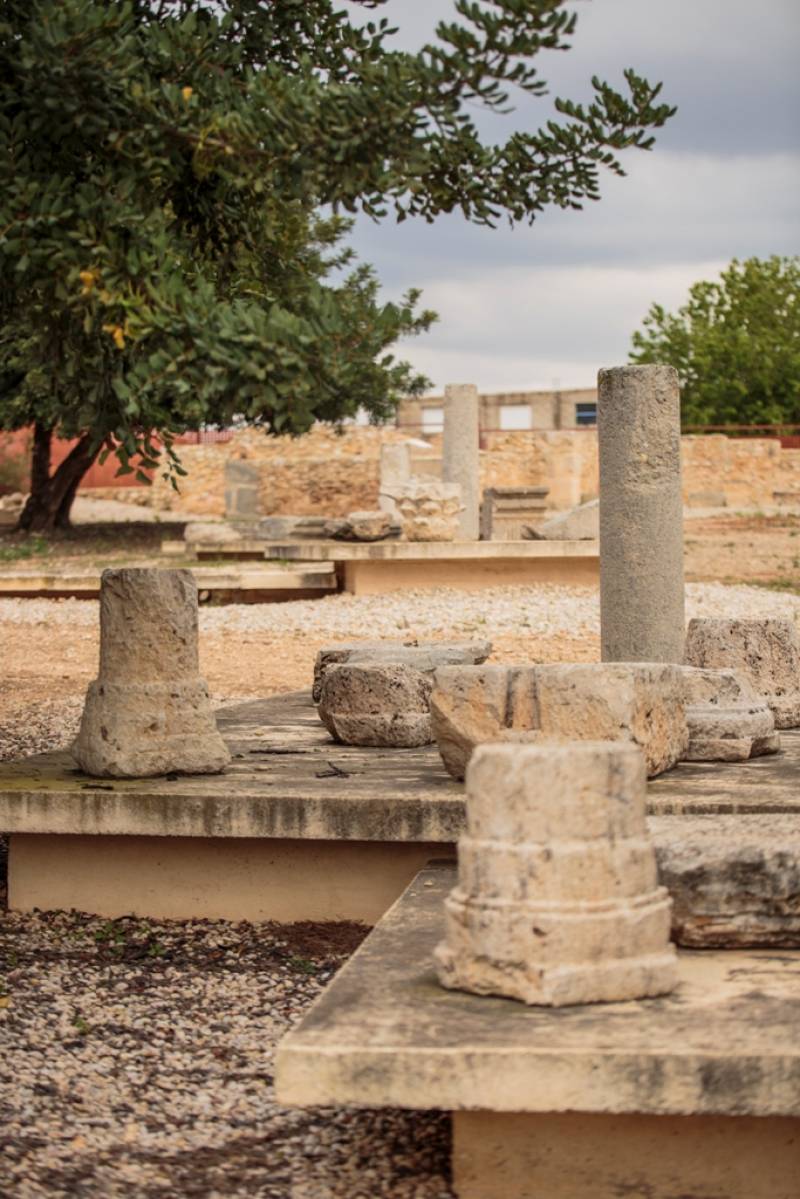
x: 327, y: 473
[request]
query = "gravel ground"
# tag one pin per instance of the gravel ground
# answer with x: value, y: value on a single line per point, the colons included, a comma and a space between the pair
x: 136, y: 1059
x: 548, y: 609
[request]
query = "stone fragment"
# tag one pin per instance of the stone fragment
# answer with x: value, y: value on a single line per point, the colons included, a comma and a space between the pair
x: 14, y: 502
x: 734, y: 880
x: 461, y: 454
x: 474, y: 705
x: 641, y: 515
x: 726, y: 719
x: 426, y: 657
x: 363, y: 526
x: 579, y: 524
x: 429, y: 510
x: 211, y: 533
x: 242, y: 498
x: 609, y: 701
x: 375, y: 703
x: 557, y: 900
x: 148, y: 711
x: 507, y: 511
x: 766, y: 651
x: 277, y: 528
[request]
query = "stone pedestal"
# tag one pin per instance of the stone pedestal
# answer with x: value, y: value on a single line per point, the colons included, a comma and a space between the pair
x: 727, y: 721
x: 148, y: 711
x: 767, y: 652
x: 557, y: 900
x: 506, y: 512
x: 461, y: 453
x: 641, y: 515
x: 242, y: 500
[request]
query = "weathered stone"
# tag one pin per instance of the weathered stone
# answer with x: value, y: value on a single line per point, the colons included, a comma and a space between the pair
x: 426, y: 657
x: 242, y: 499
x: 395, y: 470
x: 277, y: 528
x: 473, y: 706
x: 734, y: 880
x: 507, y: 511
x: 461, y: 453
x: 148, y: 711
x: 579, y: 524
x: 609, y: 701
x: 726, y: 719
x: 766, y: 651
x: 429, y: 510
x: 373, y: 703
x: 363, y: 526
x: 13, y: 502
x: 210, y: 533
x: 557, y: 900
x: 641, y: 515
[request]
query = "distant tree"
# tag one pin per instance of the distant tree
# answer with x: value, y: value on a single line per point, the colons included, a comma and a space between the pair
x: 735, y: 345
x: 163, y: 164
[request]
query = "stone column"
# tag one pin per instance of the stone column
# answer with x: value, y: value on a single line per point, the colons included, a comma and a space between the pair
x: 395, y: 471
x: 148, y: 711
x: 242, y: 501
x: 557, y: 900
x: 641, y: 515
x: 460, y: 453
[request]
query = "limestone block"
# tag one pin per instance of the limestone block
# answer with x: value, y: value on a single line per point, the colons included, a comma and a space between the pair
x: 430, y: 511
x: 148, y: 711
x: 557, y: 900
x: 766, y: 651
x: 726, y: 719
x: 364, y: 526
x: 374, y: 703
x: 277, y: 528
x: 395, y: 470
x: 616, y: 701
x: 734, y: 880
x: 579, y: 524
x: 426, y: 657
x: 211, y: 533
x: 473, y: 705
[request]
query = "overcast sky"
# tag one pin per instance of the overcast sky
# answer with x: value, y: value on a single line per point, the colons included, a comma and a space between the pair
x: 531, y: 307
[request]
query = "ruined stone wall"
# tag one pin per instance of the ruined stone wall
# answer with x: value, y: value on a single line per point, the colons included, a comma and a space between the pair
x: 327, y: 473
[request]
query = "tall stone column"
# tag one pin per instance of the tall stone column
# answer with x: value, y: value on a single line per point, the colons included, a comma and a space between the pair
x: 641, y: 515
x: 148, y: 711
x: 460, y: 453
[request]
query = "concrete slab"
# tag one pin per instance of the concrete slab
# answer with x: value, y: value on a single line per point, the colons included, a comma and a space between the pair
x: 263, y: 582
x: 385, y: 1034
x: 312, y: 814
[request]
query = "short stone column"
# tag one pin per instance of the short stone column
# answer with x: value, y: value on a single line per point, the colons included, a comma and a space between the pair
x: 148, y: 711
x: 395, y: 471
x: 641, y: 515
x: 461, y: 453
x: 242, y: 500
x: 557, y: 899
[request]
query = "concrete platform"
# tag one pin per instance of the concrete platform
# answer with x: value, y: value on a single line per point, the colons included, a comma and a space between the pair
x: 376, y: 567
x: 694, y: 1095
x: 243, y: 585
x: 297, y: 828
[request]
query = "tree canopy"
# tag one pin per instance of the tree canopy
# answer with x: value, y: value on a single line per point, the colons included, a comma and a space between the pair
x: 735, y: 345
x: 163, y: 167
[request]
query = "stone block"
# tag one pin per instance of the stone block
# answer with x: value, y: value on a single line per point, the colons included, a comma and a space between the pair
x: 610, y: 701
x: 363, y: 526
x: 507, y: 511
x: 277, y: 528
x: 427, y: 657
x: 148, y: 711
x: 734, y: 880
x: 373, y: 703
x: 430, y: 511
x: 557, y: 900
x: 210, y: 533
x: 766, y: 651
x: 579, y: 524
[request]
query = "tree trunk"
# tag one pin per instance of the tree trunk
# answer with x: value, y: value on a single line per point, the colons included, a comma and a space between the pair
x: 51, y: 497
